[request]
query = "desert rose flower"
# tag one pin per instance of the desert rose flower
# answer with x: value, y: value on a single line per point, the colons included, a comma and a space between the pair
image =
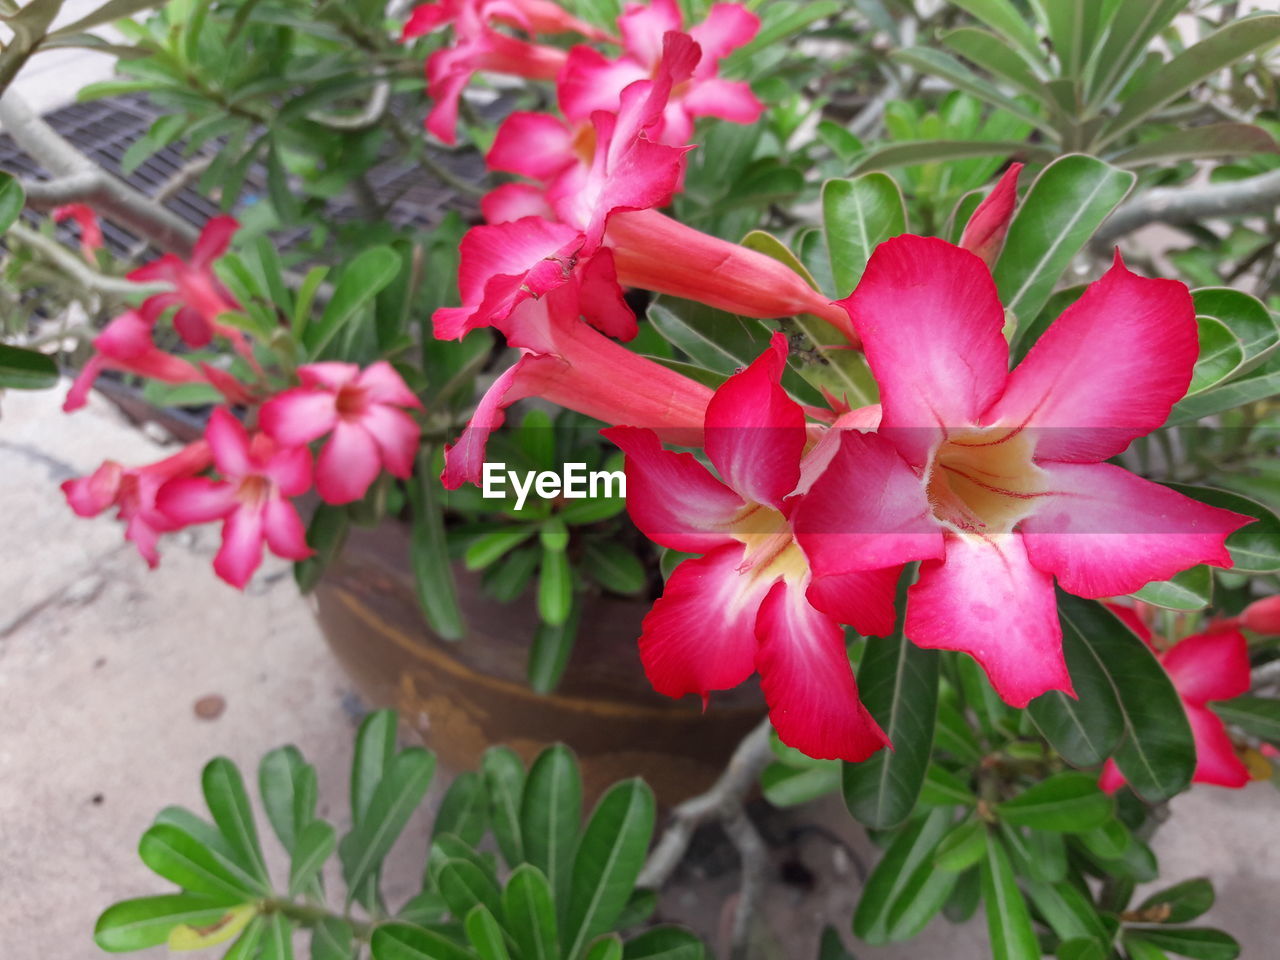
x: 1204, y: 667
x: 364, y: 413
x: 996, y: 479
x: 132, y: 490
x: 532, y: 16
x: 1261, y: 616
x: 90, y: 229
x: 985, y: 232
x: 251, y: 499
x: 746, y: 605
x: 591, y: 81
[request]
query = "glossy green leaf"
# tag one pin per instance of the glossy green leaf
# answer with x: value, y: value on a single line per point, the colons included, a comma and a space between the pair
x: 664, y: 943
x: 964, y: 846
x: 375, y: 748
x: 331, y: 939
x: 464, y: 886
x: 606, y: 948
x: 146, y: 922
x: 1221, y: 353
x: 397, y: 795
x: 22, y: 369
x: 551, y: 816
x: 176, y: 855
x: 857, y: 216
x: 1259, y: 716
x: 229, y: 805
x: 713, y: 339
x: 464, y: 809
x: 997, y: 57
x: 1083, y: 949
x: 504, y: 782
x: 1061, y: 211
x: 615, y: 567
x: 1199, y: 943
x: 1114, y: 61
x: 943, y: 789
x: 1189, y: 590
x: 895, y: 876
x: 530, y: 914
x: 914, y: 152
x: 1007, y: 21
x: 1245, y: 316
x: 359, y: 283
x: 315, y: 844
x: 1142, y: 950
x: 1065, y: 802
x: 1254, y: 548
x: 326, y: 533
x: 787, y: 786
x: 429, y: 555
x: 485, y: 935
x: 1070, y: 913
x: 940, y: 64
x: 555, y: 588
x: 1195, y: 143
x: 1184, y: 901
x: 287, y: 784
x: 1008, y: 921
x: 248, y: 946
x: 607, y: 862
x: 551, y: 647
x: 277, y: 938
x: 400, y: 941
x: 488, y: 548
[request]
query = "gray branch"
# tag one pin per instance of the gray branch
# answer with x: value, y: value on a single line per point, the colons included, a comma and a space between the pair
x: 78, y: 179
x: 1182, y: 205
x: 78, y: 270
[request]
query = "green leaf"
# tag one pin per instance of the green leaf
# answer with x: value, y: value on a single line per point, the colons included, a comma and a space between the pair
x: 1133, y: 27
x: 229, y: 804
x: 555, y: 587
x: 429, y: 554
x: 287, y: 784
x: 1061, y: 211
x: 1066, y: 803
x: 1254, y: 548
x: 615, y: 567
x: 606, y: 948
x: 1082, y: 949
x: 464, y: 809
x: 504, y: 781
x: 375, y: 748
x: 485, y: 934
x: 1189, y: 590
x: 400, y: 941
x: 464, y: 886
x: 551, y: 815
x: 964, y: 846
x: 857, y: 216
x: 179, y: 857
x: 945, y: 789
x: 278, y: 938
x: 1008, y: 922
x: 1199, y: 943
x: 1259, y: 716
x: 712, y: 339
x: 314, y: 847
x: 146, y: 922
x: 22, y: 369
x: 1069, y: 912
x: 1221, y: 353
x: 1245, y: 316
x: 1195, y: 143
x: 1224, y: 46
x: 899, y: 684
x: 1185, y: 901
x: 998, y: 57
x: 830, y: 947
x: 549, y: 652
x: 940, y: 64
x: 664, y: 943
x: 326, y: 533
x: 248, y: 945
x: 490, y: 547
x: 608, y: 860
x: 331, y: 939
x: 913, y: 152
x: 1007, y: 21
x: 911, y: 853
x: 397, y: 795
x: 530, y: 914
x: 787, y: 786
x: 1141, y: 950
x: 359, y: 283
x: 12, y: 200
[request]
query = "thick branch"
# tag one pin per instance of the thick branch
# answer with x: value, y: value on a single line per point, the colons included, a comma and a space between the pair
x: 78, y: 270
x: 77, y: 178
x: 1180, y: 205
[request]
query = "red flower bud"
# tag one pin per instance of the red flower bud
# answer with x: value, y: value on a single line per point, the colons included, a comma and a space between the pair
x: 1262, y: 616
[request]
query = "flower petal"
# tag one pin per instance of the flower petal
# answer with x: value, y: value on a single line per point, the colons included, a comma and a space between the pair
x: 298, y: 416
x: 1105, y: 532
x: 930, y: 321
x: 290, y: 469
x: 285, y: 533
x: 229, y: 443
x: 1209, y: 666
x: 241, y: 551
x: 864, y: 599
x: 985, y: 232
x: 1216, y: 760
x: 329, y: 375
x: 727, y: 99
x: 700, y: 634
x: 188, y: 500
x: 1111, y: 778
x: 808, y: 681
x: 382, y: 384
x: 987, y: 600
x: 672, y: 497
x: 755, y: 432
x: 89, y: 496
x: 534, y: 145
x: 214, y: 240
x: 867, y: 511
x: 348, y: 464
x: 591, y: 81
x: 396, y: 435
x: 1108, y: 370
x: 514, y: 201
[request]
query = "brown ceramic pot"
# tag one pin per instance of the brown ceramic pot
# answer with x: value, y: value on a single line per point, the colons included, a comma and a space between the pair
x: 465, y: 696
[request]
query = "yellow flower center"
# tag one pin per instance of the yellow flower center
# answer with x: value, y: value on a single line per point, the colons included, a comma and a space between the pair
x: 984, y: 480
x: 770, y: 551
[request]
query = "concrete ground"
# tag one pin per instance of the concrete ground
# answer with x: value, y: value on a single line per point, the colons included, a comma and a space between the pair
x: 103, y: 664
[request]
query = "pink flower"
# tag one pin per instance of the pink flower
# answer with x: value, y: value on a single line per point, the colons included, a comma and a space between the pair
x: 1262, y: 616
x: 362, y: 409
x: 592, y: 82
x: 1203, y: 667
x: 747, y: 604
x: 996, y: 479
x: 532, y: 16
x: 90, y: 229
x: 479, y: 47
x: 985, y: 232
x: 251, y: 499
x: 199, y: 296
x: 133, y: 492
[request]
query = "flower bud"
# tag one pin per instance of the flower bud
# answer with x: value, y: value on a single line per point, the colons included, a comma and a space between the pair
x: 1262, y: 616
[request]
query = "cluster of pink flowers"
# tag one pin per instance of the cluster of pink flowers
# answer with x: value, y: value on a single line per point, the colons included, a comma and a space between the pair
x: 247, y: 479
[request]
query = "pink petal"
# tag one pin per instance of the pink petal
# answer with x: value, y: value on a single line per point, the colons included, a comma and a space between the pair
x: 290, y: 469
x: 726, y: 99
x: 89, y: 496
x: 425, y: 18
x: 382, y: 384
x: 755, y: 432
x: 348, y: 464
x: 145, y: 537
x: 643, y: 29
x: 189, y: 500
x: 672, y: 498
x: 241, y: 550
x: 808, y: 681
x: 214, y: 240
x: 285, y: 533
x: 165, y: 270
x: 700, y: 634
x: 930, y: 321
x: 1108, y: 370
x: 78, y: 395
x: 192, y: 327
x: 727, y: 27
x: 396, y: 435
x: 229, y: 442
x: 1209, y: 666
x: 590, y: 82
x: 514, y: 201
x: 329, y: 375
x: 464, y: 460
x: 985, y: 232
x: 298, y: 416
x: 1111, y: 778
x: 867, y: 511
x: 1105, y: 532
x: 126, y: 337
x: 600, y: 297
x: 864, y: 600
x: 534, y: 145
x: 987, y: 600
x: 1216, y: 759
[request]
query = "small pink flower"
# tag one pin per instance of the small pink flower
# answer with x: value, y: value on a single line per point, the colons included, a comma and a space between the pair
x: 1262, y: 616
x: 90, y: 229
x: 532, y: 16
x: 133, y: 491
x: 985, y: 232
x: 364, y: 412
x: 1204, y: 667
x: 199, y: 295
x: 252, y: 498
x: 590, y: 81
